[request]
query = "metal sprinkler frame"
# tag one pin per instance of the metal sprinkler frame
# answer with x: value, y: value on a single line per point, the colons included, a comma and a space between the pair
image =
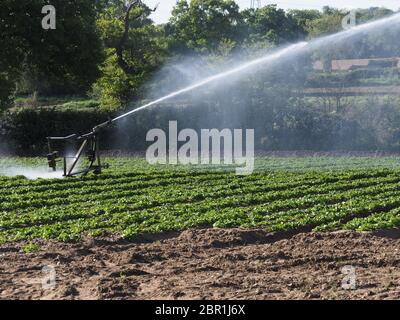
x: 88, y: 147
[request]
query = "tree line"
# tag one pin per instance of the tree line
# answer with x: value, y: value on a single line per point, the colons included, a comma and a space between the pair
x: 111, y: 51
x: 109, y: 48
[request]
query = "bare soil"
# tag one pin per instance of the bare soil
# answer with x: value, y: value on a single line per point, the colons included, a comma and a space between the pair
x: 207, y: 264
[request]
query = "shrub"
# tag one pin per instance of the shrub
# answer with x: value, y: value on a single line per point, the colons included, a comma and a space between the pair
x: 25, y: 131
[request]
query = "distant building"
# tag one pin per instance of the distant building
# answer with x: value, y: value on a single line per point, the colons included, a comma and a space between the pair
x: 352, y: 64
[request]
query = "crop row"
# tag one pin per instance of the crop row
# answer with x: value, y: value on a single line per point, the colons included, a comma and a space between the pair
x: 220, y: 213
x: 234, y: 195
x: 36, y: 199
x: 134, y: 197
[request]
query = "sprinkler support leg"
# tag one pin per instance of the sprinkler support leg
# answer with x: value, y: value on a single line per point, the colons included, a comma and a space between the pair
x: 77, y: 157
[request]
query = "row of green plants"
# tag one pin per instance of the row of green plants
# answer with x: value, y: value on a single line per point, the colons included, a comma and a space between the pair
x: 133, y: 198
x: 224, y: 195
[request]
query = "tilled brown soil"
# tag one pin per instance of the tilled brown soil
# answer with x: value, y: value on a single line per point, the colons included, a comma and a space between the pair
x: 207, y: 264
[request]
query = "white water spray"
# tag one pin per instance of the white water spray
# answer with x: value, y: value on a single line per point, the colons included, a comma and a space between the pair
x: 29, y: 172
x: 333, y: 39
x: 263, y: 60
x: 293, y: 49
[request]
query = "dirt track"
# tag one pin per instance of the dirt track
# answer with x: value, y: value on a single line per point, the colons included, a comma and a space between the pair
x: 207, y: 264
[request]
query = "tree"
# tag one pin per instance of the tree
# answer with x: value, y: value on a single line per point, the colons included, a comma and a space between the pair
x: 303, y: 17
x: 379, y: 42
x: 373, y: 13
x: 134, y: 47
x: 69, y: 54
x: 203, y: 24
x: 271, y: 24
x: 329, y: 22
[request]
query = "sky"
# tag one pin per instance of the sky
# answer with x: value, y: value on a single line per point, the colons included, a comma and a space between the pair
x: 163, y: 12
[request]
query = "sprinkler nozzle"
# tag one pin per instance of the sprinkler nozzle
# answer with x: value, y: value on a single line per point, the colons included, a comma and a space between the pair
x: 102, y: 126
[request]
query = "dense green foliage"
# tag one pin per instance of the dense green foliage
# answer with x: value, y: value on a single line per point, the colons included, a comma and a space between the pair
x: 142, y: 51
x: 134, y: 197
x: 90, y: 48
x: 24, y: 132
x: 203, y: 25
x: 64, y: 60
x: 320, y: 124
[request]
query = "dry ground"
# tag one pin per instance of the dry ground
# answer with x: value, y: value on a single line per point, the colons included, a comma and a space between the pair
x: 207, y: 264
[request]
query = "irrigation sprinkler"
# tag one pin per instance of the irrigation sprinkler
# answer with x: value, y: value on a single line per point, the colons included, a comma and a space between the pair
x: 89, y: 143
x: 88, y: 147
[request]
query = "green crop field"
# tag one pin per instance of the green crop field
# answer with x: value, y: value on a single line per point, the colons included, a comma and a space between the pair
x: 133, y: 197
